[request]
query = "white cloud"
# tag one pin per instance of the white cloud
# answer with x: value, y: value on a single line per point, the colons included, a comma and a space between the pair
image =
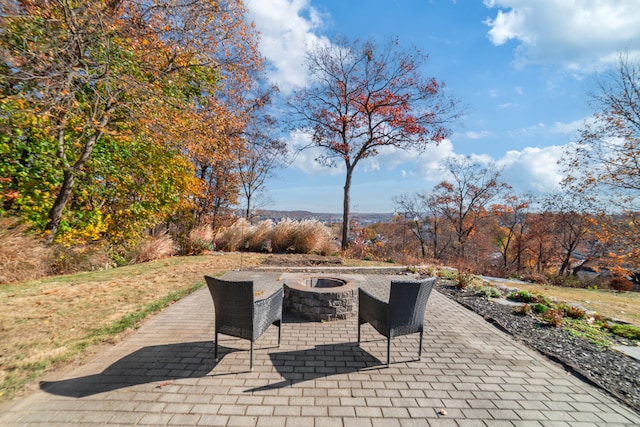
x: 570, y: 128
x: 532, y: 169
x: 581, y: 36
x: 286, y: 28
x: 476, y: 135
x: 305, y: 154
x: 528, y: 131
x: 428, y: 165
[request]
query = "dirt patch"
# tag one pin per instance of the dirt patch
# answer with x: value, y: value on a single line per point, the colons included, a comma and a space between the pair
x: 302, y: 260
x: 612, y: 371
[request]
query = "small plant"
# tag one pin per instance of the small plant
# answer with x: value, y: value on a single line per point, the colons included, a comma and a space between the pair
x: 524, y: 310
x: 540, y: 308
x: 199, y: 246
x: 463, y: 279
x: 201, y: 240
x: 489, y: 292
x: 572, y: 311
x: 446, y: 274
x: 626, y: 331
x: 521, y: 296
x: 541, y: 299
x: 528, y: 297
x: 552, y: 317
x: 584, y: 330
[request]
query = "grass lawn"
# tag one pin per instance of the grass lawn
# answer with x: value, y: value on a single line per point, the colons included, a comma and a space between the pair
x: 47, y: 323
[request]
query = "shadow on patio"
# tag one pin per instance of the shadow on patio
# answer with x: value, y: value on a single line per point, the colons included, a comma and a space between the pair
x: 147, y: 365
x: 318, y: 362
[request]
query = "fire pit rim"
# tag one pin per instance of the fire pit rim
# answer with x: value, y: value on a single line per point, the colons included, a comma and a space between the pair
x: 299, y: 285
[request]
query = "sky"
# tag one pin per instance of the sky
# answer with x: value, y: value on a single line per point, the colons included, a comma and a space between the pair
x: 522, y: 69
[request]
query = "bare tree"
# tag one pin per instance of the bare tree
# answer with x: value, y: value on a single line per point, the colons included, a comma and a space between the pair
x: 572, y: 220
x: 256, y: 165
x: 512, y: 225
x: 423, y: 222
x: 363, y: 97
x: 413, y: 210
x: 464, y: 200
x: 605, y: 161
x: 607, y: 156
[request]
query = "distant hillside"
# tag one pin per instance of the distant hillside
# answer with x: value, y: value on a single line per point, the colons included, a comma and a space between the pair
x: 363, y: 218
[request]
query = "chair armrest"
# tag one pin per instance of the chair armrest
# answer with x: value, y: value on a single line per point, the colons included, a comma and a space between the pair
x: 274, y: 298
x: 267, y: 311
x: 372, y: 309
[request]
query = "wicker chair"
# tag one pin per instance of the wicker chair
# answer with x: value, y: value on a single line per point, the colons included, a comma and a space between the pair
x: 402, y: 315
x: 238, y: 315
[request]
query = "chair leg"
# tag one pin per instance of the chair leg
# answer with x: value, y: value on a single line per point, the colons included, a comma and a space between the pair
x: 388, y: 350
x: 279, y: 332
x: 420, y: 348
x: 251, y: 357
x: 215, y: 347
x: 359, y: 331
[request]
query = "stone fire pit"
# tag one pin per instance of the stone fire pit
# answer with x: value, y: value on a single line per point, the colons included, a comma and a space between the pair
x: 321, y: 298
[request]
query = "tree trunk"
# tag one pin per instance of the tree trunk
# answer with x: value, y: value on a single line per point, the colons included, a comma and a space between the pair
x: 248, y: 210
x: 435, y: 238
x: 564, y: 268
x: 345, y: 209
x: 55, y: 214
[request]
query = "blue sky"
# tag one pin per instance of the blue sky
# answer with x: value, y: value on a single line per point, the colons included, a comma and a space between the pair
x: 522, y: 68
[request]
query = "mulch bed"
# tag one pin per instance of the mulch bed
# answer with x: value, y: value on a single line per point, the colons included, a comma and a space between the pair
x: 610, y: 370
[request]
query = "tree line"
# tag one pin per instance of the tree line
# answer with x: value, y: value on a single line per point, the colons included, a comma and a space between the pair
x: 474, y: 221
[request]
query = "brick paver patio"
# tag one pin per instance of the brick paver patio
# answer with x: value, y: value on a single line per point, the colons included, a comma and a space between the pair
x: 471, y: 374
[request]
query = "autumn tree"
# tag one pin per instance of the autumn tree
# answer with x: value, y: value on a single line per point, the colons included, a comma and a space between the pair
x: 365, y: 96
x: 464, y: 199
x: 233, y: 157
x: 572, y: 219
x: 219, y: 194
x: 410, y: 207
x: 607, y: 155
x: 97, y: 73
x: 605, y: 161
x: 425, y: 224
x: 540, y: 250
x: 260, y: 154
x: 511, y: 217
